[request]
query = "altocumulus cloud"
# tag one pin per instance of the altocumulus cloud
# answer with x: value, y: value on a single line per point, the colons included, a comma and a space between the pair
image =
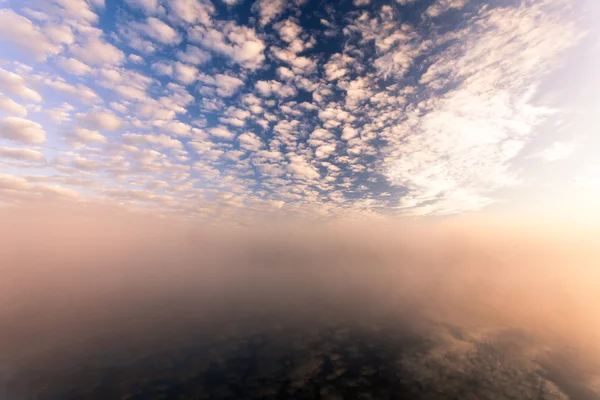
x: 361, y: 107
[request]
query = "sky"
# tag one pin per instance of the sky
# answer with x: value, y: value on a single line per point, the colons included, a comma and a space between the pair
x: 309, y: 107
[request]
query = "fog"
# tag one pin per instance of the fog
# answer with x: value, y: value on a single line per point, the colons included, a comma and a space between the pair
x: 79, y: 283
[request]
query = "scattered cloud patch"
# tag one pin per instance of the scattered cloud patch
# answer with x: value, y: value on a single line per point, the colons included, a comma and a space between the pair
x: 22, y: 130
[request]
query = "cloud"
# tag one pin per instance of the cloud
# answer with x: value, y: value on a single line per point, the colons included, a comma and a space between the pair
x: 12, y: 182
x: 56, y: 191
x: 25, y: 36
x: 177, y: 128
x: 233, y: 121
x: 326, y: 150
x: 59, y: 34
x: 79, y: 9
x: 269, y: 88
x: 249, y: 141
x: 127, y: 83
x: 193, y: 55
x: 337, y: 66
x: 14, y: 84
x: 84, y: 164
x: 288, y: 30
x: 227, y: 85
x: 557, y: 151
x: 441, y: 6
x: 82, y: 136
x: 22, y: 130
x: 61, y: 114
x: 349, y: 132
x: 268, y: 10
x: 100, y: 120
x: 240, y: 43
x: 158, y: 30
x: 222, y: 132
x: 10, y: 107
x: 338, y: 117
x: 183, y: 73
x: 73, y: 66
x: 300, y: 65
x: 135, y: 58
x: 484, y: 121
x: 95, y: 51
x: 160, y: 140
x: 193, y: 11
x: 22, y: 154
x: 81, y: 92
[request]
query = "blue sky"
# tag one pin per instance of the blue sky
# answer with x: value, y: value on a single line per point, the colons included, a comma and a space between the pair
x: 358, y: 107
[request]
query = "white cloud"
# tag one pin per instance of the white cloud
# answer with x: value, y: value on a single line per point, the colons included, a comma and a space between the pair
x: 163, y: 68
x: 81, y: 92
x: 285, y: 73
x: 227, y: 85
x: 193, y: 55
x: 193, y: 11
x: 14, y: 84
x: 337, y: 66
x: 22, y: 130
x: 158, y: 140
x: 59, y: 34
x: 441, y: 6
x: 456, y: 150
x: 300, y: 65
x: 301, y: 169
x: 185, y: 73
x: 61, y: 114
x: 222, y: 132
x: 79, y: 9
x: 56, y: 190
x: 118, y: 107
x: 10, y: 107
x: 132, y: 35
x: 100, y: 120
x: 240, y: 43
x: 268, y: 10
x: 288, y: 30
x: 177, y: 128
x: 22, y: 154
x: 12, y: 182
x: 451, y: 129
x: 82, y: 136
x: 135, y: 58
x: 127, y: 83
x: 233, y: 112
x: 325, y: 150
x: 94, y: 50
x: 269, y: 88
x: 25, y: 36
x: 84, y: 164
x: 233, y: 121
x: 558, y: 151
x: 73, y: 66
x: 158, y: 30
x: 349, y: 132
x: 249, y: 141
